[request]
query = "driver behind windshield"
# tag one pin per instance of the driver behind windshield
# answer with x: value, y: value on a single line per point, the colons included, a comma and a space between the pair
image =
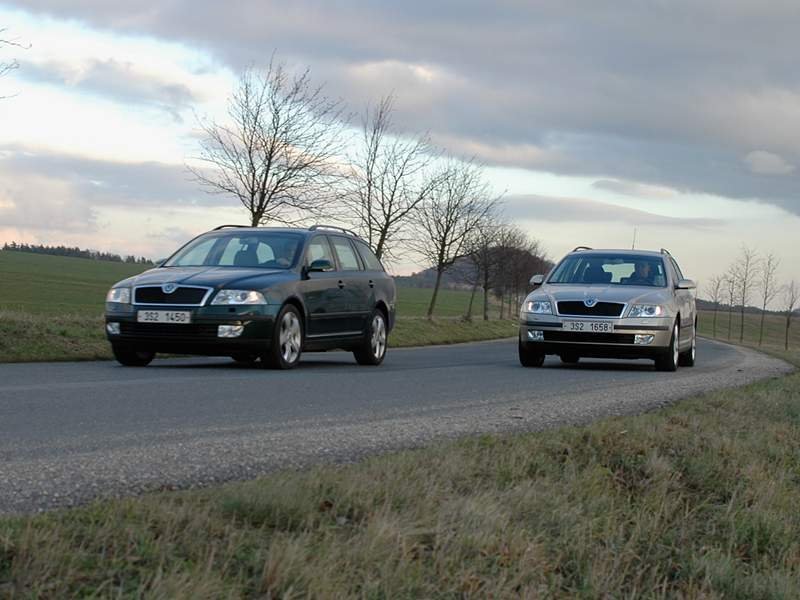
x: 642, y: 274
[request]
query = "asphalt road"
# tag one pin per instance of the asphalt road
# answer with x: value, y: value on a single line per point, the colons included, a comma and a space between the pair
x: 70, y: 432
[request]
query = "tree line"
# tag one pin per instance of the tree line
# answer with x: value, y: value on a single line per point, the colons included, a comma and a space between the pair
x: 752, y: 277
x: 287, y: 153
x: 75, y: 252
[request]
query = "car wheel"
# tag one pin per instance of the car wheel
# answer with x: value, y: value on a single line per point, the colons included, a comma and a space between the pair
x: 244, y: 358
x: 529, y: 357
x: 671, y: 357
x: 570, y: 359
x: 373, y: 349
x: 287, y: 340
x: 131, y: 357
x: 687, y: 359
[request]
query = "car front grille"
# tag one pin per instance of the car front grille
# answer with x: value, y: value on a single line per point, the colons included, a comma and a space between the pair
x: 183, y: 295
x: 591, y: 338
x: 167, y: 331
x: 601, y: 309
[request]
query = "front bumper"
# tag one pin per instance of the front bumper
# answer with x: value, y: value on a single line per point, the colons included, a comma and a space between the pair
x: 546, y: 333
x: 201, y: 336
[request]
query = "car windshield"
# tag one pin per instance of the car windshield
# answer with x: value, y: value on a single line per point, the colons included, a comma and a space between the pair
x: 267, y: 250
x: 610, y: 269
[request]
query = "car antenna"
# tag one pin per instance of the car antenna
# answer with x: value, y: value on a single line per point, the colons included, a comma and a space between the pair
x: 635, y: 231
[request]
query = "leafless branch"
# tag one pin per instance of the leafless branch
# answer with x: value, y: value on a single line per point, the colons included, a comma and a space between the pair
x: 746, y: 272
x: 390, y: 176
x: 448, y: 216
x: 769, y: 288
x: 279, y: 153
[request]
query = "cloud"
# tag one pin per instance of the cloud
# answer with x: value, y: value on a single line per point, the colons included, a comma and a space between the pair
x: 119, y: 81
x: 762, y: 162
x: 660, y: 94
x: 634, y: 189
x: 42, y: 190
x: 558, y: 210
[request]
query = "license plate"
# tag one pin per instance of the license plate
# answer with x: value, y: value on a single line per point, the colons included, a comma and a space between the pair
x: 176, y: 317
x: 589, y: 326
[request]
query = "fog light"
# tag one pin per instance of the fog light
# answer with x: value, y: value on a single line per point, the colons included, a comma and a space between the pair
x: 230, y: 331
x: 535, y: 335
x: 643, y: 340
x: 112, y: 328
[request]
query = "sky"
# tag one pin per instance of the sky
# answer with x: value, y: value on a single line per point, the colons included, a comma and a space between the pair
x: 677, y: 122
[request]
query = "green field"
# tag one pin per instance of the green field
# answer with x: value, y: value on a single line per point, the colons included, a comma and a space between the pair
x: 774, y: 329
x: 51, y: 309
x: 56, y: 285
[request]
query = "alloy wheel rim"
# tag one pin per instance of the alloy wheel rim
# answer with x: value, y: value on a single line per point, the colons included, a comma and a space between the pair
x: 676, y: 351
x: 378, y: 336
x: 290, y: 337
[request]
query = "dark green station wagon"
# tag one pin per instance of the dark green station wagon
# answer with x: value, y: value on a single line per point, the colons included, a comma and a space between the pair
x: 256, y: 293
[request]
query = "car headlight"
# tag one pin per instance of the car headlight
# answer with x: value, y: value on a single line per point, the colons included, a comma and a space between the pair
x: 120, y: 295
x: 239, y: 297
x: 539, y: 307
x: 646, y: 310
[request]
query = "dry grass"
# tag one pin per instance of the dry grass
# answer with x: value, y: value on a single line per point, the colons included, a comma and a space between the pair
x: 696, y: 501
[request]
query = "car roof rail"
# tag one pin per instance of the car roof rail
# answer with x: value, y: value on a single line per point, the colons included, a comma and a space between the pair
x: 582, y: 248
x: 227, y: 226
x: 334, y: 228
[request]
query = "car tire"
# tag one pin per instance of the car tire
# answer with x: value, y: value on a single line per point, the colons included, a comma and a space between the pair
x: 688, y: 358
x: 244, y: 358
x: 570, y: 359
x: 287, y: 340
x: 529, y: 357
x: 372, y: 349
x: 131, y: 357
x: 668, y: 361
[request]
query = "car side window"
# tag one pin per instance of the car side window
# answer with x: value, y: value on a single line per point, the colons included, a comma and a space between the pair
x: 370, y: 260
x: 348, y: 261
x: 319, y: 248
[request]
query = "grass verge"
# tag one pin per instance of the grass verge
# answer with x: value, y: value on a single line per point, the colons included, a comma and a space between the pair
x: 697, y: 500
x: 27, y: 337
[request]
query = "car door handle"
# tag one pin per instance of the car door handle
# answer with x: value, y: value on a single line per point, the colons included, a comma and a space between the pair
x: 371, y: 283
x: 341, y: 284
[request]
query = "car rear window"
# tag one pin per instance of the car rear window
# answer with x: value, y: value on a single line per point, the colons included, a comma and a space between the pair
x: 372, y: 262
x: 610, y: 269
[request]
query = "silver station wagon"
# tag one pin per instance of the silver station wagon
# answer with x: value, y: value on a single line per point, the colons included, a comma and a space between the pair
x: 611, y: 304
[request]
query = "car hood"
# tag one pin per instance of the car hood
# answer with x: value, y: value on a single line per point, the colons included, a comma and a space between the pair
x: 215, y: 277
x: 605, y: 293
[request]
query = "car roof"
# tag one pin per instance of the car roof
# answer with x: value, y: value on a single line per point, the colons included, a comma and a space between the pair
x: 327, y: 229
x: 624, y: 252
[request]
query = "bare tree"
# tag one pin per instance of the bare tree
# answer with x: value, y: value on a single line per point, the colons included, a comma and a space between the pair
x: 746, y: 270
x: 280, y: 152
x: 769, y: 288
x: 731, y: 283
x: 390, y: 176
x: 446, y: 219
x: 792, y: 296
x: 715, y: 288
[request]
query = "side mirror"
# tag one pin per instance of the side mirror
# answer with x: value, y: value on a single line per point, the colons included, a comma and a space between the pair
x: 321, y: 265
x: 686, y: 284
x: 537, y: 280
